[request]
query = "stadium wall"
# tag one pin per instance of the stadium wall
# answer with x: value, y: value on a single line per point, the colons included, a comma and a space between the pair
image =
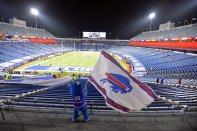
x: 43, y: 41
x: 182, y: 45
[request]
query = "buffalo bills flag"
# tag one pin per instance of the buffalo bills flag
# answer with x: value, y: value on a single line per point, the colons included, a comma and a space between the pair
x: 121, y: 91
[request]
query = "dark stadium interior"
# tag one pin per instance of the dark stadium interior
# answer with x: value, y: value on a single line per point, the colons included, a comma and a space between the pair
x: 124, y: 19
x: 155, y: 39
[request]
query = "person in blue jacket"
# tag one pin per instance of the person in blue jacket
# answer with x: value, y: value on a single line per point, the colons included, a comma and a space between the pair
x: 78, y: 95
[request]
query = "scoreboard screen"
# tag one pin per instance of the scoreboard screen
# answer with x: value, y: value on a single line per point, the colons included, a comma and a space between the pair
x: 94, y: 34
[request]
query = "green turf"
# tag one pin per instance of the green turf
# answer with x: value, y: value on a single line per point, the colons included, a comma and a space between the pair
x: 77, y: 58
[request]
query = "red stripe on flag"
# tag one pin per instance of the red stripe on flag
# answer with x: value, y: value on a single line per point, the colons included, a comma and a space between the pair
x: 107, y: 99
x: 115, y: 80
x: 144, y: 87
x: 117, y: 106
x: 103, y: 90
x: 109, y: 57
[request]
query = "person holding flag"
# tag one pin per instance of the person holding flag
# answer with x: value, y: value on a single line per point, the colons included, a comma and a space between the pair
x: 78, y: 95
x: 121, y: 91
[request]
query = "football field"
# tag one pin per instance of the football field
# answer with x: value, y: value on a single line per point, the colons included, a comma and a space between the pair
x: 77, y: 58
x: 75, y: 61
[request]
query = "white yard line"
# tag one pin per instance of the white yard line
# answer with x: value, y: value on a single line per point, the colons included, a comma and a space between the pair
x: 53, y: 58
x: 76, y: 53
x: 45, y: 61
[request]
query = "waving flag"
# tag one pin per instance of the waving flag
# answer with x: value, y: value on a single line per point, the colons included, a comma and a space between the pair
x: 121, y: 91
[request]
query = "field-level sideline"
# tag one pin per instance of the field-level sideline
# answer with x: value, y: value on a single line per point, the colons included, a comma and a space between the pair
x: 58, y: 68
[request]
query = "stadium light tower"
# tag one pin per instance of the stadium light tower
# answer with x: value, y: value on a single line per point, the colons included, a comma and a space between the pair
x: 35, y: 13
x: 151, y: 16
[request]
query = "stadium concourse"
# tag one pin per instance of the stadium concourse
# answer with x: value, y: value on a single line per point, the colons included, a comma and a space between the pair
x: 31, y: 101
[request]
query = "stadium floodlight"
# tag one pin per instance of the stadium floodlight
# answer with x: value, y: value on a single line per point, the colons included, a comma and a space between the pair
x: 35, y: 13
x: 151, y: 16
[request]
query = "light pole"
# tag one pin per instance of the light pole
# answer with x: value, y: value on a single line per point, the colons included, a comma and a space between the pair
x: 35, y: 13
x: 151, y: 16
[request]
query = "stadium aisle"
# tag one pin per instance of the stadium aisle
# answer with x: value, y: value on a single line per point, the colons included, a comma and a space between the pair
x: 31, y: 121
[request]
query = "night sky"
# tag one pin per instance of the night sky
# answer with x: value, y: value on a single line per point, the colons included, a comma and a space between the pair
x: 119, y: 18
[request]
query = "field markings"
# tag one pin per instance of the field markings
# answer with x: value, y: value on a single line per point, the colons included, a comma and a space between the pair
x: 77, y: 58
x: 46, y: 60
x: 55, y: 58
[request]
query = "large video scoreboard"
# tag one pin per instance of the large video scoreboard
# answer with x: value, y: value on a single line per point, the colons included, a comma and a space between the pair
x: 95, y: 35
